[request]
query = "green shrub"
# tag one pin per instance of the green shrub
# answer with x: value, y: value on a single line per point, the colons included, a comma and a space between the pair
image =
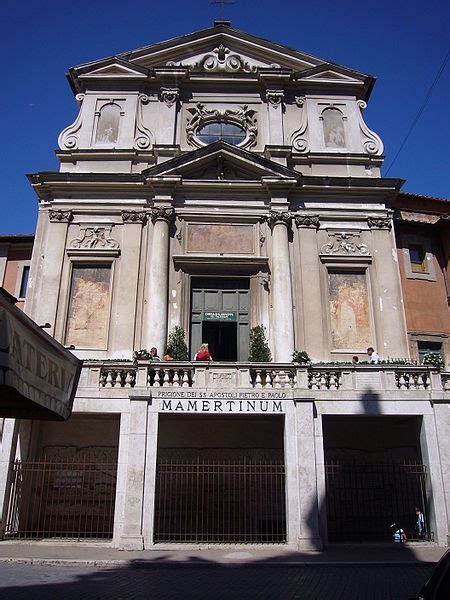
x: 302, y: 357
x: 177, y: 344
x: 434, y: 359
x: 259, y: 350
x: 142, y: 354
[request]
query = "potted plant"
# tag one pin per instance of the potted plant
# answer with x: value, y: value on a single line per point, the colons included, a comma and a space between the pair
x: 177, y: 344
x: 301, y: 357
x: 434, y: 359
x: 259, y: 350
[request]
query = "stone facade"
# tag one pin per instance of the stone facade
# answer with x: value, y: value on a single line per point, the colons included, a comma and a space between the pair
x: 223, y: 156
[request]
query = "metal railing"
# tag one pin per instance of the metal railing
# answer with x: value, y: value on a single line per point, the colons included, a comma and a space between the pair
x: 71, y: 499
x: 363, y: 500
x: 220, y: 501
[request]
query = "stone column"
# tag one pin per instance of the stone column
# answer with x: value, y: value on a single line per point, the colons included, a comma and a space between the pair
x: 132, y: 535
x: 167, y: 130
x: 282, y: 322
x: 50, y: 268
x: 388, y: 305
x: 156, y: 308
x: 311, y: 318
x: 150, y: 477
x: 431, y: 457
x: 7, y: 456
x: 309, y: 537
x: 274, y: 99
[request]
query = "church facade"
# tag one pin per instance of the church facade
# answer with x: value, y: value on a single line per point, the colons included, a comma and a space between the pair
x: 219, y: 182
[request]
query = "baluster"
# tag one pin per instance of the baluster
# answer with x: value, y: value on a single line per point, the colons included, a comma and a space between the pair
x: 165, y: 378
x: 426, y: 380
x: 176, y: 379
x: 185, y: 379
x: 276, y: 380
x: 258, y: 381
x: 402, y: 381
x: 323, y: 381
x: 128, y: 379
x: 109, y: 380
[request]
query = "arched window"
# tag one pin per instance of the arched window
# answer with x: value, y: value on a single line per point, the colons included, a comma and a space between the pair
x: 228, y: 132
x: 333, y: 128
x: 108, y: 125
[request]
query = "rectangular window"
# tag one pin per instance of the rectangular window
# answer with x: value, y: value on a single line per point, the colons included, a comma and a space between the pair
x: 88, y: 314
x: 24, y: 281
x: 417, y: 256
x: 349, y: 311
x: 424, y: 347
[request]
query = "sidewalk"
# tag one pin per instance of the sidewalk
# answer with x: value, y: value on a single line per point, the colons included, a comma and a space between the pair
x: 97, y: 554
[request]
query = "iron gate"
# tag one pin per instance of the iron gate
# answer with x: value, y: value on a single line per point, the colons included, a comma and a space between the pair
x: 61, y: 499
x: 220, y: 501
x: 363, y: 500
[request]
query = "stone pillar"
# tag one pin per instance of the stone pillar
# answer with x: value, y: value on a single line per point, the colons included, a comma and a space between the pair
x: 156, y: 307
x: 437, y: 509
x: 390, y: 323
x: 122, y: 334
x: 309, y: 537
x: 311, y: 318
x: 132, y: 535
x: 167, y: 130
x: 282, y: 322
x: 48, y: 278
x: 274, y: 99
x: 7, y: 455
x: 150, y: 477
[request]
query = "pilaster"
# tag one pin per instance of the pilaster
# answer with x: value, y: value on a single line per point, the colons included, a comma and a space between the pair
x: 169, y: 98
x: 275, y: 99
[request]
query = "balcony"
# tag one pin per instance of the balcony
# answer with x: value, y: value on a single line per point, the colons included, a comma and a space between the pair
x: 350, y: 382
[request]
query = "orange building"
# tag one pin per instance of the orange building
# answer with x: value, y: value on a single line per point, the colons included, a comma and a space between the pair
x: 15, y: 257
x: 422, y: 230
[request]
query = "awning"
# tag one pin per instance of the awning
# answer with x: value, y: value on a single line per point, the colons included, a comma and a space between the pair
x: 38, y: 376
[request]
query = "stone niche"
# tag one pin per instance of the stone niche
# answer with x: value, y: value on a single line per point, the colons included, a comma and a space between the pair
x: 220, y: 238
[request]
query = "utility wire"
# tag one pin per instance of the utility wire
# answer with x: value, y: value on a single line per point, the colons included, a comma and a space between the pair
x: 422, y: 108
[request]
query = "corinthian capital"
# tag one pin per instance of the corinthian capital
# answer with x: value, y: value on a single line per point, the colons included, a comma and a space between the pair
x: 134, y: 216
x: 60, y: 216
x: 162, y: 214
x: 310, y: 221
x: 276, y: 216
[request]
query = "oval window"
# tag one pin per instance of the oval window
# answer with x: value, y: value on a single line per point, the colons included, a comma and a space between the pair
x: 228, y: 132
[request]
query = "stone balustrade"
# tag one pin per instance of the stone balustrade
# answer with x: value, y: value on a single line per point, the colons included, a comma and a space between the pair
x: 287, y: 376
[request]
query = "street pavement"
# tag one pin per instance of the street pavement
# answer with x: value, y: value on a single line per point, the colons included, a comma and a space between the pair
x: 198, y: 579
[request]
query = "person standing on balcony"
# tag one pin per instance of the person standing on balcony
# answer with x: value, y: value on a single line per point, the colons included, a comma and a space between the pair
x: 154, y: 355
x: 420, y: 524
x: 169, y: 354
x: 203, y: 353
x: 374, y: 357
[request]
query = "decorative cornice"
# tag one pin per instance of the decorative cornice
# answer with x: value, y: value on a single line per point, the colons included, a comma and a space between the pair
x: 169, y: 96
x: 344, y: 243
x: 161, y: 213
x: 309, y: 221
x: 277, y: 216
x: 379, y: 222
x: 95, y: 237
x: 221, y: 60
x: 275, y: 98
x: 134, y: 216
x: 60, y: 216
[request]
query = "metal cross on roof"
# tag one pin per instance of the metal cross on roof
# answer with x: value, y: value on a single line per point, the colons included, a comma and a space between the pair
x: 222, y: 4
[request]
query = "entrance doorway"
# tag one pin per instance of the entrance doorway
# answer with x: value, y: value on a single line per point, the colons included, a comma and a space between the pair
x: 221, y: 338
x: 220, y: 479
x: 220, y: 317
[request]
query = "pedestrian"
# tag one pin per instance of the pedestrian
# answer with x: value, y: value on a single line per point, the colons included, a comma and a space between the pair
x: 420, y: 524
x: 169, y: 354
x: 154, y: 354
x: 398, y: 535
x: 203, y: 353
x: 374, y: 357
x: 355, y: 360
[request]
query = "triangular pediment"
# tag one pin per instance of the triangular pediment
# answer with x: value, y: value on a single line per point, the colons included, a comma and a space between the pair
x: 221, y: 162
x: 329, y: 73
x: 114, y: 68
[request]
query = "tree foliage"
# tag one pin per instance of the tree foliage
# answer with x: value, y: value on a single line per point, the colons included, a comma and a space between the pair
x: 259, y: 350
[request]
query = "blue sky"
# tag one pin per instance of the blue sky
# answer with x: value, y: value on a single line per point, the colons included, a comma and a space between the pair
x: 401, y: 42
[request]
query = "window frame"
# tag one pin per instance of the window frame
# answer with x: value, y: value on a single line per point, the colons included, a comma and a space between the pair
x: 22, y: 265
x: 413, y: 240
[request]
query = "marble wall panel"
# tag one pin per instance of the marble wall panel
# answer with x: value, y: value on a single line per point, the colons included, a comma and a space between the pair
x: 220, y: 239
x: 349, y: 311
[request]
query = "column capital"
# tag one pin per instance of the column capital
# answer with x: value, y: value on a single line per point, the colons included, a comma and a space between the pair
x: 384, y: 222
x: 60, y: 216
x: 164, y: 186
x: 169, y: 96
x: 134, y: 216
x: 274, y: 98
x: 307, y: 221
x: 161, y: 213
x: 276, y: 216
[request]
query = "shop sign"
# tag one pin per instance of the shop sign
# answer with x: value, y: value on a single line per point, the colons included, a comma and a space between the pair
x: 220, y: 316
